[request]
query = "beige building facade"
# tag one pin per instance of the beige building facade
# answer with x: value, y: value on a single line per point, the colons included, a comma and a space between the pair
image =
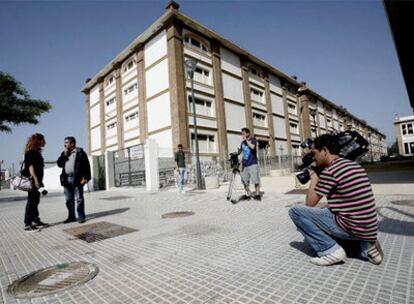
x: 144, y: 93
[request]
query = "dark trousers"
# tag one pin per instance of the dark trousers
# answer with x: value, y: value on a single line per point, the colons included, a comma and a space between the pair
x: 73, y: 191
x: 32, y: 212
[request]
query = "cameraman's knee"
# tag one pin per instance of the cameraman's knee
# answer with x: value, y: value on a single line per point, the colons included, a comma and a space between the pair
x: 296, y: 212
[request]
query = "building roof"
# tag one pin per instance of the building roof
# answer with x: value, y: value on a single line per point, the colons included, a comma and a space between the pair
x: 173, y: 12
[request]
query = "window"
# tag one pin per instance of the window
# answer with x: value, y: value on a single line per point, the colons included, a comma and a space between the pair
x: 410, y: 128
x: 292, y: 108
x: 259, y: 119
x: 406, y: 148
x: 129, y: 66
x: 202, y: 75
x: 293, y: 128
x: 328, y: 122
x: 256, y: 94
x: 111, y: 126
x: 203, y: 107
x: 206, y: 143
x: 131, y: 117
x: 404, y: 129
x: 109, y: 81
x: 130, y: 89
x: 193, y: 42
x: 110, y: 101
x: 255, y: 72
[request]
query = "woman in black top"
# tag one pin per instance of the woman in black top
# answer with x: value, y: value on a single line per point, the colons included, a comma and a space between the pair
x: 33, y: 168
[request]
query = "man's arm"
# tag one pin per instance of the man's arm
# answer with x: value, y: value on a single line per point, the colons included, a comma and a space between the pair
x: 62, y: 160
x: 312, y: 198
x: 250, y: 144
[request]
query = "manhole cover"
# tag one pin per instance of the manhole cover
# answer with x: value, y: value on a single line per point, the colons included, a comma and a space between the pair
x: 52, y: 279
x: 177, y: 214
x: 98, y: 231
x: 115, y: 198
x: 404, y: 203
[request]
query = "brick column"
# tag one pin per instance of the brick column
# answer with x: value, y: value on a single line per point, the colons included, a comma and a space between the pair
x: 176, y: 71
x: 246, y: 94
x: 88, y: 122
x: 304, y: 113
x: 219, y: 102
x: 119, y: 107
x: 286, y: 112
x: 269, y: 114
x: 142, y: 103
x: 102, y: 115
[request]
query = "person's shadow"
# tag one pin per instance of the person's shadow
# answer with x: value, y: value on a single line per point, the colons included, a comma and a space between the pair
x: 95, y: 215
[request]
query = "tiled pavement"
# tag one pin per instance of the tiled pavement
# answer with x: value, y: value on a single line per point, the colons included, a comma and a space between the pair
x: 244, y: 253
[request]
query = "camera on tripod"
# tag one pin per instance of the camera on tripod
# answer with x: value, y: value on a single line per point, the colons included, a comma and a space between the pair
x: 234, y: 160
x: 351, y: 146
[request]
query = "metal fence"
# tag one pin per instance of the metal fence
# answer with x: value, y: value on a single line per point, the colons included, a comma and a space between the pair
x: 129, y: 166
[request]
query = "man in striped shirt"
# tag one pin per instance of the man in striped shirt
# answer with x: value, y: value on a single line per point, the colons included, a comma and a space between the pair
x: 351, y: 212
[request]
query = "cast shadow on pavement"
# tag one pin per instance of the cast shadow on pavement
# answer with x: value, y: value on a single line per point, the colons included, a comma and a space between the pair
x: 95, y: 215
x: 394, y: 226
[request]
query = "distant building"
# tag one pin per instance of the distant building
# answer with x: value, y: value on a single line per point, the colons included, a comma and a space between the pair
x: 144, y: 93
x: 405, y: 134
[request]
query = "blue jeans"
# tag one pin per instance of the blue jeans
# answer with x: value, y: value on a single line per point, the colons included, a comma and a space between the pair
x: 319, y: 227
x: 181, y: 178
x: 72, y: 191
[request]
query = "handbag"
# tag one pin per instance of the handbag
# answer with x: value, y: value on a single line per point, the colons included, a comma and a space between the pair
x: 22, y: 182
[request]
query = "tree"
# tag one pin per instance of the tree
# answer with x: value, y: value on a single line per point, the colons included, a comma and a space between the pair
x: 16, y: 105
x: 393, y: 149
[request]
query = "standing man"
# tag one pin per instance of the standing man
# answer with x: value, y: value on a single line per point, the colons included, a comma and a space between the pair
x: 250, y: 169
x: 180, y: 167
x: 351, y: 213
x: 76, y: 172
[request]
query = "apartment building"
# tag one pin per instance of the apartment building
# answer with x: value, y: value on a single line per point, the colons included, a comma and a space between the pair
x: 144, y: 93
x: 405, y: 134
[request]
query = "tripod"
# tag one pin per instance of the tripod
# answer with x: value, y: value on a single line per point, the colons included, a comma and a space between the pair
x: 235, y: 180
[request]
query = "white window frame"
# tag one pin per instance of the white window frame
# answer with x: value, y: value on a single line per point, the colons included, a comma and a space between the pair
x: 256, y: 94
x: 111, y: 125
x: 110, y: 101
x: 259, y: 119
x: 190, y: 40
x: 208, y: 137
x: 130, y: 89
x: 201, y: 102
x: 293, y: 128
x: 127, y: 66
x: 292, y: 109
x: 109, y: 81
x: 204, y: 75
x: 131, y: 116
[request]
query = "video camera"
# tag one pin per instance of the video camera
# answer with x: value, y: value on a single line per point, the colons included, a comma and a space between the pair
x: 234, y: 160
x: 351, y: 146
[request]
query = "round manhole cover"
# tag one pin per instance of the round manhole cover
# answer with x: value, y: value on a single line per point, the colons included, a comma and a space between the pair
x: 404, y: 203
x: 53, y: 279
x: 177, y: 214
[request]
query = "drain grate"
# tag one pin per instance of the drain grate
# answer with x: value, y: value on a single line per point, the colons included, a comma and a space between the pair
x: 177, y: 214
x: 52, y: 280
x: 409, y: 203
x: 115, y: 198
x: 98, y: 231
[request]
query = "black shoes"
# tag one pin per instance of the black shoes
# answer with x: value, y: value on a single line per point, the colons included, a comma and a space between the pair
x: 69, y: 220
x: 31, y: 228
x: 81, y: 221
x: 244, y: 197
x: 39, y: 223
x: 257, y: 197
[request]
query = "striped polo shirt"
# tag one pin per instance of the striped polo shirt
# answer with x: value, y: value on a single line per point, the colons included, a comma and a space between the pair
x: 348, y: 190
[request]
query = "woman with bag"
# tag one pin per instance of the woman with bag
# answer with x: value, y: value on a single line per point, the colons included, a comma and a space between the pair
x: 33, y: 168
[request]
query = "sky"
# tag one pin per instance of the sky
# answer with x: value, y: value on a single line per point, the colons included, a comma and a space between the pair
x: 342, y: 49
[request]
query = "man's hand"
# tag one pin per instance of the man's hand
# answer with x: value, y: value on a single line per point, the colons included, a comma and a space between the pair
x: 83, y: 181
x: 66, y: 151
x: 36, y: 184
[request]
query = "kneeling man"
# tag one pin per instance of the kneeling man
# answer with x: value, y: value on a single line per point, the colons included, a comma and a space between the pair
x: 351, y: 213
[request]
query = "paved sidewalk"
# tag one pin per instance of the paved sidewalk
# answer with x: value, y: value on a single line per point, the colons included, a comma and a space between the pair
x: 244, y: 253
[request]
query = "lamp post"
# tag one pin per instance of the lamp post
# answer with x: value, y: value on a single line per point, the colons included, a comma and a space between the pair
x: 312, y: 112
x: 1, y: 175
x: 191, y: 66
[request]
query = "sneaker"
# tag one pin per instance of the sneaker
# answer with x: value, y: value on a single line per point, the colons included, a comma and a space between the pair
x: 40, y: 223
x: 31, y: 228
x: 375, y: 254
x: 81, y: 221
x: 69, y: 220
x: 257, y: 197
x: 335, y: 257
